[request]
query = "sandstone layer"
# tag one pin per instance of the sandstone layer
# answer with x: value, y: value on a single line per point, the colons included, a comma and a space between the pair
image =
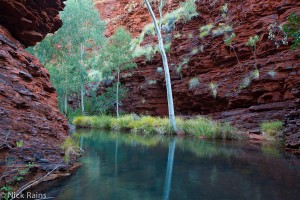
x: 269, y: 96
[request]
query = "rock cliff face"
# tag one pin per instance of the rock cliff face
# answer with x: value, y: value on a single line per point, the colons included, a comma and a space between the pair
x: 243, y: 100
x: 30, y: 21
x: 28, y: 105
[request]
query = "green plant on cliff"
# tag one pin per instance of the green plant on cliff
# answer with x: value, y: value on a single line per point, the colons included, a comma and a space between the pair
x: 205, y: 30
x: 229, y: 42
x: 117, y: 56
x: 214, y: 89
x: 251, y: 43
x: 194, y: 83
x: 292, y: 29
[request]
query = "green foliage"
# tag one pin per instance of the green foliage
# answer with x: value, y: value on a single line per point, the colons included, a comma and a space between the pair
x: 159, y: 70
x: 245, y: 83
x: 255, y: 74
x: 214, y: 89
x: 292, y: 29
x: 105, y: 103
x: 73, y: 113
x: 152, y: 82
x: 200, y: 126
x: 206, y: 128
x: 65, y: 53
x: 6, y: 189
x: 70, y: 146
x: 252, y: 41
x: 224, y: 8
x: 205, y: 30
x: 194, y: 83
x: 272, y: 73
x: 19, y: 144
x: 228, y: 40
x: 248, y: 79
x: 148, y: 51
x: 117, y: 54
x: 121, y: 123
x: 221, y: 29
x: 189, y: 10
x: 271, y: 128
x: 194, y: 51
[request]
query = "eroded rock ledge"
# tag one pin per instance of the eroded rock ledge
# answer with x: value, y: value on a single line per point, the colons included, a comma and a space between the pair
x: 30, y: 21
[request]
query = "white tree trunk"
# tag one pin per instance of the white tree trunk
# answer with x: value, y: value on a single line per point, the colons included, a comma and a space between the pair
x: 82, y: 97
x: 66, y: 103
x: 81, y: 77
x: 166, y: 69
x: 117, y: 95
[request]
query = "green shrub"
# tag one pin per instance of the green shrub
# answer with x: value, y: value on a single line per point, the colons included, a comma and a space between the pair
x: 205, y: 30
x: 271, y: 128
x: 147, y: 51
x: 200, y: 126
x: 292, y: 29
x: 144, y: 125
x: 121, y: 123
x: 194, y: 83
x: 207, y: 128
x: 102, y: 122
x: 73, y: 113
x: 70, y: 146
x: 83, y: 121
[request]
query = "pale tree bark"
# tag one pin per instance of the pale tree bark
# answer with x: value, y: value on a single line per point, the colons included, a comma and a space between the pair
x: 81, y: 77
x: 166, y: 68
x: 117, y: 94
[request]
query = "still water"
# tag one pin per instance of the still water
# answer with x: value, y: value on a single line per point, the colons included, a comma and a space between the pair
x: 133, y: 167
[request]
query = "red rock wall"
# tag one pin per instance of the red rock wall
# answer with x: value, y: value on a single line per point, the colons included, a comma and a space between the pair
x: 266, y: 98
x: 30, y: 21
x: 28, y: 102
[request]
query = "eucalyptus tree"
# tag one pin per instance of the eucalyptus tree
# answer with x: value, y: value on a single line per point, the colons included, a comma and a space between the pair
x: 74, y: 48
x: 165, y: 63
x: 84, y: 31
x: 117, y: 56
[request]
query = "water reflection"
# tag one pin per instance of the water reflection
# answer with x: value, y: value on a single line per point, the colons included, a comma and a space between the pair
x: 126, y: 166
x: 172, y: 146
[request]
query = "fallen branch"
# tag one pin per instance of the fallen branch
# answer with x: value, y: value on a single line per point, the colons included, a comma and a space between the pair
x: 36, y: 181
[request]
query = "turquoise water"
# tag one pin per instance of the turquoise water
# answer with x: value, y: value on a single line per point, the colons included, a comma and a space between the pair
x: 126, y: 166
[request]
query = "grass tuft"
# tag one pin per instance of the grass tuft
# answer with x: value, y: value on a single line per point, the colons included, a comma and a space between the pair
x: 199, y: 127
x: 271, y: 128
